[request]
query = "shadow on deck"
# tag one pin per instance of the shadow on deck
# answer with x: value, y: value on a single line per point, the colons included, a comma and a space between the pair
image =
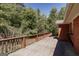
x: 64, y: 49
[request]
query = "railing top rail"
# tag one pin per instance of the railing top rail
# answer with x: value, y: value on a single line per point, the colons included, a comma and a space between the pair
x: 24, y: 36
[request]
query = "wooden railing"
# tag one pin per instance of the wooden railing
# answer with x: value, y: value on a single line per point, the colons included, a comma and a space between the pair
x: 10, y: 45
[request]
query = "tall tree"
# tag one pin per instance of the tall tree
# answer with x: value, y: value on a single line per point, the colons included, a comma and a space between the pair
x: 61, y: 13
x: 51, y: 21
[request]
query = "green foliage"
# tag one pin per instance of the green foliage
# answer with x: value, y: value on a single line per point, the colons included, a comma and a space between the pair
x: 16, y: 19
x: 53, y: 16
x: 61, y: 13
x: 51, y: 21
x: 4, y: 30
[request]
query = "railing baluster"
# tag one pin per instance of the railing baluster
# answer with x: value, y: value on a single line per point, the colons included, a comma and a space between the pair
x: 12, y: 46
x: 14, y: 41
x: 6, y: 47
x: 17, y: 41
x: 8, y: 43
x: 0, y: 47
x: 9, y: 46
x: 3, y: 48
x: 19, y: 44
x: 15, y: 44
x: 22, y: 43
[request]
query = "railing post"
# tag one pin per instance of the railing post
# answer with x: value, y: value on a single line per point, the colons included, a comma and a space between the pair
x: 23, y: 42
x: 19, y: 43
x: 37, y: 37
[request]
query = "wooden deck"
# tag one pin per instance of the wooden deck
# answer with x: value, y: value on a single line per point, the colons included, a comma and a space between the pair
x: 44, y: 47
